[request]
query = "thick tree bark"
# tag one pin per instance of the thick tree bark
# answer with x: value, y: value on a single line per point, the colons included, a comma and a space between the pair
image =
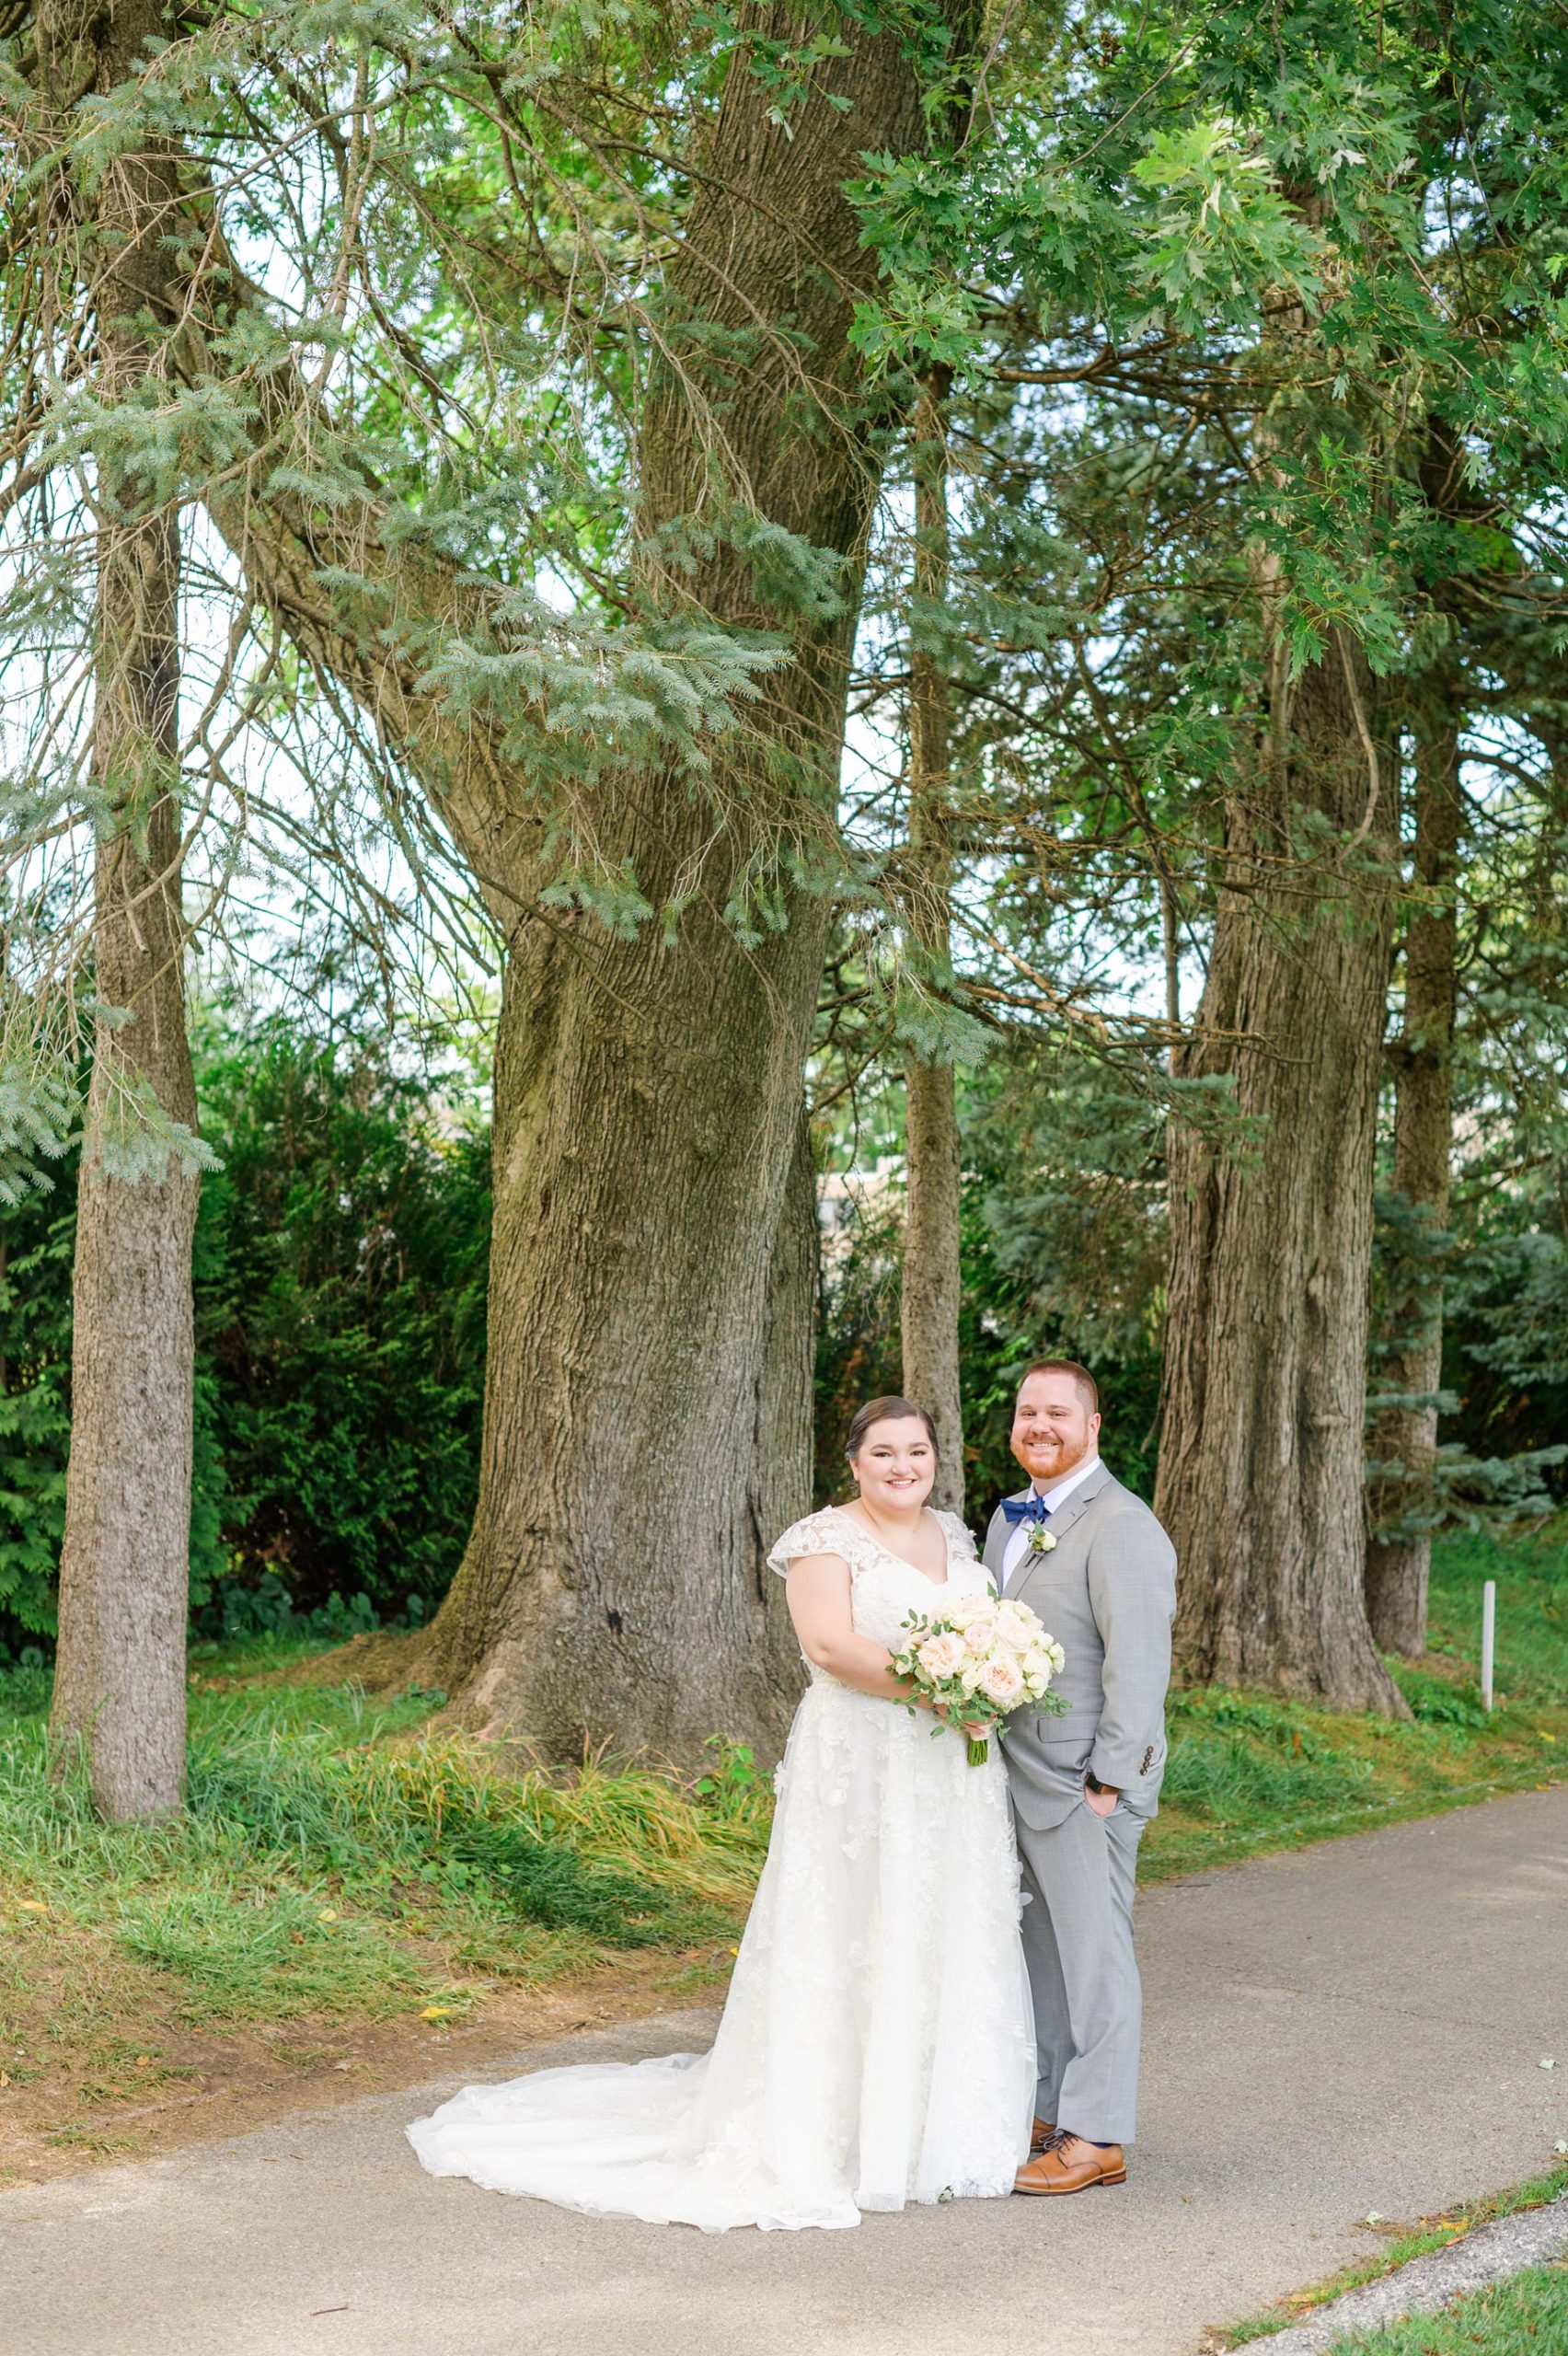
x: 933, y: 1281
x: 1265, y: 1379
x: 1398, y: 1568
x: 124, y: 1567
x: 645, y: 1134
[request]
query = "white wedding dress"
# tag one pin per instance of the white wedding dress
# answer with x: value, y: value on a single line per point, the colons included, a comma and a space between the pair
x: 877, y: 2045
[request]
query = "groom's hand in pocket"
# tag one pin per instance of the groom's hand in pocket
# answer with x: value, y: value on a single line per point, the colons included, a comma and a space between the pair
x: 1103, y: 1801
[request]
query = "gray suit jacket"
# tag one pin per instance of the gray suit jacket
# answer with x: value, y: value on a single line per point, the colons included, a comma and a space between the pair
x: 1107, y: 1593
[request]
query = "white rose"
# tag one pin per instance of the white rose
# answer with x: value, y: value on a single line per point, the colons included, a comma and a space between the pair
x: 974, y: 1670
x: 1001, y: 1680
x: 1036, y: 1666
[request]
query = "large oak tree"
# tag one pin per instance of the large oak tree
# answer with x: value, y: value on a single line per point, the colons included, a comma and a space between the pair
x: 648, y: 1393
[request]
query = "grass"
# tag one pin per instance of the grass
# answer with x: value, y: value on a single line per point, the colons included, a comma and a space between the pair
x: 1400, y: 2244
x: 338, y: 1859
x: 1248, y: 1773
x: 345, y: 1861
x: 1525, y: 2316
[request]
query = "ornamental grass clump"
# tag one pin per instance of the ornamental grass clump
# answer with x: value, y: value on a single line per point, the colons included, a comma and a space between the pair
x: 337, y: 1857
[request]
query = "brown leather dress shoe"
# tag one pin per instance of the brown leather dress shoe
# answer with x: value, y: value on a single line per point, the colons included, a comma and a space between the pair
x: 1040, y: 2133
x: 1069, y: 2165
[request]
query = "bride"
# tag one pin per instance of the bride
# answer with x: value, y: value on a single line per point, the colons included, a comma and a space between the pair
x: 877, y: 2045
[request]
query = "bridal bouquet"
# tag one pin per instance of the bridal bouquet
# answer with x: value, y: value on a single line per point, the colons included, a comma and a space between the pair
x: 981, y: 1658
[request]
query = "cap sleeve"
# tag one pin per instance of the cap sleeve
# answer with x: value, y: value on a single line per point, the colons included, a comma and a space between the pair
x: 825, y: 1533
x: 961, y: 1539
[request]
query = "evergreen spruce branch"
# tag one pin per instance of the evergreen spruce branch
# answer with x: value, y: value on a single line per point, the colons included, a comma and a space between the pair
x: 450, y: 679
x: 464, y: 668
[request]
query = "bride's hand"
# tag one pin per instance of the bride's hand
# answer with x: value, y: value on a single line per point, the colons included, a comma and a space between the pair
x: 977, y: 1730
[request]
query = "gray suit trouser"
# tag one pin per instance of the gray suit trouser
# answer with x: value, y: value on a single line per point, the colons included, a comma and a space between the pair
x: 1078, y: 1936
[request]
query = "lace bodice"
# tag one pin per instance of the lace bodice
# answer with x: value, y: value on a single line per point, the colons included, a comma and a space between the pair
x: 884, y: 1588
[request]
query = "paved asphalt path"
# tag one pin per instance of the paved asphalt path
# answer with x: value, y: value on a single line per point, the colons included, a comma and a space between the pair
x: 1352, y: 2028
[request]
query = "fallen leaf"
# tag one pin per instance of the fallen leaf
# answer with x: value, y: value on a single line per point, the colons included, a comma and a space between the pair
x: 328, y: 1914
x: 31, y: 1906
x: 143, y: 2060
x: 435, y: 2012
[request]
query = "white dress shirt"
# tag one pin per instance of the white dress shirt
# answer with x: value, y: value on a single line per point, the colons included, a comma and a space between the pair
x: 1017, y: 1537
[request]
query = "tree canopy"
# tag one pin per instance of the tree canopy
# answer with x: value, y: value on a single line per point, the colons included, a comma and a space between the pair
x: 993, y: 577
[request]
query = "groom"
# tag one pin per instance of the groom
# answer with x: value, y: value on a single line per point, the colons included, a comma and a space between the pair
x: 1092, y: 1561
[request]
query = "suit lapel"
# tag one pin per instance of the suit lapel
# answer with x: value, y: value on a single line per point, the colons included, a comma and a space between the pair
x: 1080, y: 1500
x: 997, y: 1537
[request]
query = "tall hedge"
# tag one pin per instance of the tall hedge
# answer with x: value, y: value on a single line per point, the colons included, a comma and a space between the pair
x: 340, y: 1278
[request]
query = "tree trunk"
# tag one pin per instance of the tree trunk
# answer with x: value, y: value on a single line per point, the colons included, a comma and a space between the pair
x: 932, y: 1290
x: 638, y: 1440
x: 648, y: 1094
x: 645, y: 1132
x: 1264, y: 1378
x: 124, y: 1565
x: 1398, y: 1567
x: 932, y: 1280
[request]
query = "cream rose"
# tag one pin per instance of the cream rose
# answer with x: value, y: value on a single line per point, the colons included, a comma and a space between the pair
x: 1014, y: 1630
x: 1001, y: 1680
x: 942, y: 1655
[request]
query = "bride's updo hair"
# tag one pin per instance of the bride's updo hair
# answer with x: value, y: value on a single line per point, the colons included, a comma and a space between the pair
x: 886, y: 1411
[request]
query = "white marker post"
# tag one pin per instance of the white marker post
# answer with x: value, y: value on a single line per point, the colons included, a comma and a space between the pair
x: 1488, y: 1639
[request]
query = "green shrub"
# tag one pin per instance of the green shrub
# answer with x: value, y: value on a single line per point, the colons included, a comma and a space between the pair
x: 37, y: 1236
x: 340, y: 1273
x: 340, y: 1301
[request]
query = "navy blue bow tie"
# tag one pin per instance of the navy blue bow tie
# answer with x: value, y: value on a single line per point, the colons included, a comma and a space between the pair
x: 1031, y: 1509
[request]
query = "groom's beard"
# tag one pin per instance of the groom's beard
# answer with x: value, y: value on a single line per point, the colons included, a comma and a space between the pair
x: 1046, y: 1474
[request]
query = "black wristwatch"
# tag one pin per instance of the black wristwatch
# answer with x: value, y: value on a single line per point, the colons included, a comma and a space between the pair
x: 1091, y: 1782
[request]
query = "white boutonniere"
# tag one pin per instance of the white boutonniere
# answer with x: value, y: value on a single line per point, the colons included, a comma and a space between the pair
x: 1040, y: 1540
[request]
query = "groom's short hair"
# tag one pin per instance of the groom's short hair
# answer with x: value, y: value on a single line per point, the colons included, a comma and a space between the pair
x: 1088, y: 1387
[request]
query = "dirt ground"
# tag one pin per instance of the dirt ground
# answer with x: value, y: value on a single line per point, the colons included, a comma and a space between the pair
x: 93, y: 2069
